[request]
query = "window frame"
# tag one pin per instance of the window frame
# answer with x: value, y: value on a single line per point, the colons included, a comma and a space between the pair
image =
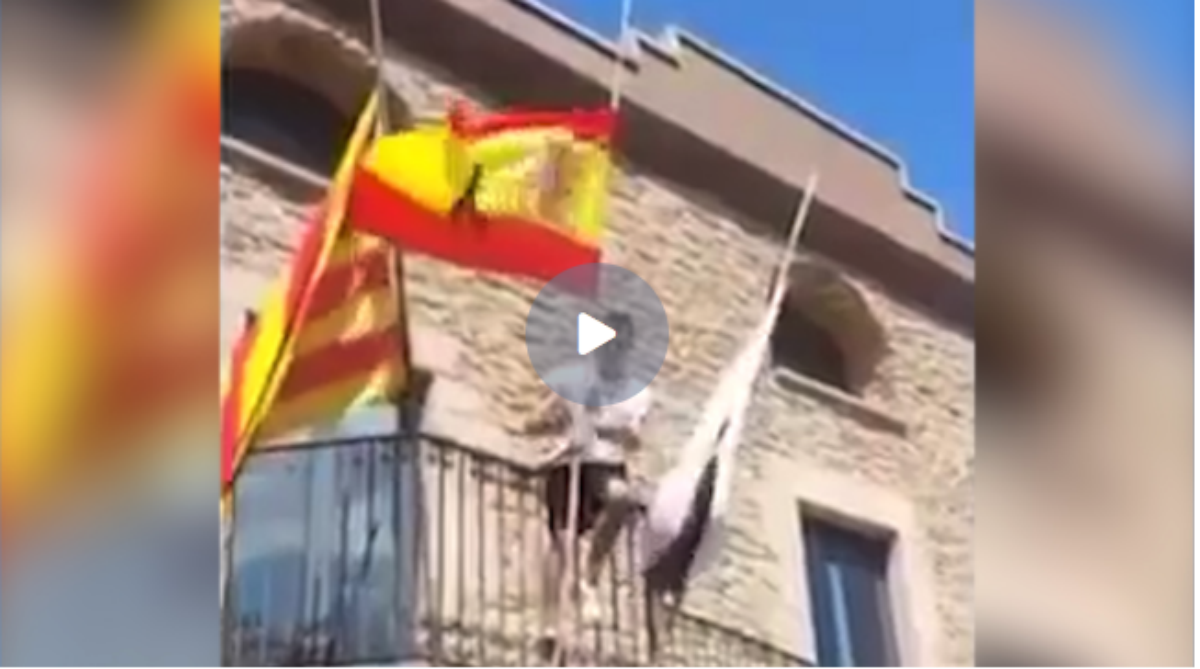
x: 792, y: 316
x: 868, y: 506
x: 327, y: 152
x: 813, y: 522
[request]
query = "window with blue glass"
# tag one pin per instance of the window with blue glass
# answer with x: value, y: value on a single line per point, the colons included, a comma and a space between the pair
x: 322, y: 529
x: 848, y: 593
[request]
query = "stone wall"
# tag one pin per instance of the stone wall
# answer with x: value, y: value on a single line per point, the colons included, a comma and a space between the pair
x: 910, y: 435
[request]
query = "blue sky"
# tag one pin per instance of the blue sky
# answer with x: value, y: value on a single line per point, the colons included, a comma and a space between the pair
x: 900, y: 71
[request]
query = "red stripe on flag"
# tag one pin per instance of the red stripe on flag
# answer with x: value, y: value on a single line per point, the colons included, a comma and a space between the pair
x: 305, y: 261
x: 300, y: 273
x: 364, y: 273
x: 340, y: 359
x: 586, y: 124
x: 231, y: 408
x: 505, y: 244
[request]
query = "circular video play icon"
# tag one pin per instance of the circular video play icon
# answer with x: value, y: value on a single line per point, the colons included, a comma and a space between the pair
x: 597, y: 335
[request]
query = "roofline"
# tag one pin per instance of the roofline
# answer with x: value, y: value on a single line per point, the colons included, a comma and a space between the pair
x: 696, y: 120
x: 668, y: 45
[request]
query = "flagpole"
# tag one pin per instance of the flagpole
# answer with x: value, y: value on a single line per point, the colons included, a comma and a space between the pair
x: 403, y: 344
x: 570, y: 575
x: 228, y: 615
x: 382, y: 127
x: 616, y: 84
x: 793, y: 242
x: 228, y: 601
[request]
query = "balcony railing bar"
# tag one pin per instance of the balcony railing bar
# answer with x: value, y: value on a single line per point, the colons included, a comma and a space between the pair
x: 467, y: 535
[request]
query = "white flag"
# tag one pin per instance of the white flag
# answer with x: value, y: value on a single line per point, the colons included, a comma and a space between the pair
x: 708, y: 454
x: 684, y: 522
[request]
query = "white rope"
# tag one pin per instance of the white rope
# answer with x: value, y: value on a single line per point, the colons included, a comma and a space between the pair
x: 570, y: 571
x: 624, y: 39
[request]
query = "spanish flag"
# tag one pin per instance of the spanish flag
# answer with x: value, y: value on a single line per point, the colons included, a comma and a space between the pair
x: 519, y: 193
x: 118, y: 342
x: 326, y: 340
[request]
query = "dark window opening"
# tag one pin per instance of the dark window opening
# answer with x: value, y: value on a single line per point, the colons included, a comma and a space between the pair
x: 809, y: 349
x: 848, y: 594
x: 283, y: 118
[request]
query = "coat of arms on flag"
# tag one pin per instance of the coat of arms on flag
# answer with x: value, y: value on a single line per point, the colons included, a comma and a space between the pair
x: 518, y: 193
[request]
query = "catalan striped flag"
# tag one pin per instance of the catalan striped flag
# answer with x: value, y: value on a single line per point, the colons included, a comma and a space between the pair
x: 326, y: 340
x: 119, y: 343
x: 519, y: 193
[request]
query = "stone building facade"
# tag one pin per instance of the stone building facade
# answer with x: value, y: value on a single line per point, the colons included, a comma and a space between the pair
x: 867, y: 414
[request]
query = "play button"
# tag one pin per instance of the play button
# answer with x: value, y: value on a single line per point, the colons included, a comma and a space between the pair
x: 601, y: 346
x: 592, y: 334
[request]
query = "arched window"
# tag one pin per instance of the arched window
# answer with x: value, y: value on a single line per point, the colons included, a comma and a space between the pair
x: 826, y: 330
x: 294, y: 89
x: 803, y: 346
x: 282, y: 117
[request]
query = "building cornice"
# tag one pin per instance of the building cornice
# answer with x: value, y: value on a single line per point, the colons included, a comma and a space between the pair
x: 672, y: 44
x: 697, y: 118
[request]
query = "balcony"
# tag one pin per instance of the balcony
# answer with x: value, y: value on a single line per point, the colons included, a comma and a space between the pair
x: 415, y: 550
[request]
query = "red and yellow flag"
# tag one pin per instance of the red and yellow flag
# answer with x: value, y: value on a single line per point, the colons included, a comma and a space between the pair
x: 326, y: 340
x: 515, y: 193
x: 120, y: 337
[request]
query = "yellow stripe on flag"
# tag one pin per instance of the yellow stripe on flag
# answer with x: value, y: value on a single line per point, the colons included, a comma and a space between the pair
x: 522, y: 194
x: 328, y: 336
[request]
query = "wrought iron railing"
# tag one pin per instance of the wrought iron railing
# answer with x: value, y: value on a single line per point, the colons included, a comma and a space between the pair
x: 381, y: 550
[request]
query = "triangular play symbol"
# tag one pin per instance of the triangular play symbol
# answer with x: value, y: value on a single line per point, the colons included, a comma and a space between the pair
x: 592, y: 334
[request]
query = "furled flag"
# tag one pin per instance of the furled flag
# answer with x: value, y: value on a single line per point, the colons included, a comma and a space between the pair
x: 327, y: 339
x: 119, y: 341
x: 685, y: 518
x: 515, y: 193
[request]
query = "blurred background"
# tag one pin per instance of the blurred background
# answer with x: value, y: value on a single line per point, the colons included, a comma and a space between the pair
x: 1085, y: 235
x: 1084, y: 228
x: 111, y: 557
